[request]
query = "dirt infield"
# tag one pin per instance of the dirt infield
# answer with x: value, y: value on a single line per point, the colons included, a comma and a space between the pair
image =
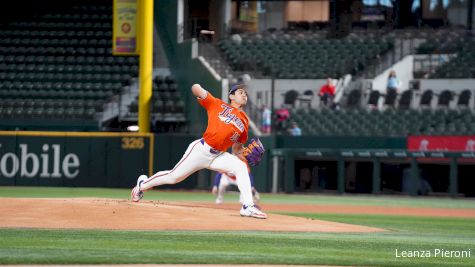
x: 88, y: 213
x: 117, y: 214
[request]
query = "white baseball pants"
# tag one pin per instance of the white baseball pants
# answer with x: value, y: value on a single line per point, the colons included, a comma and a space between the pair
x: 200, y: 155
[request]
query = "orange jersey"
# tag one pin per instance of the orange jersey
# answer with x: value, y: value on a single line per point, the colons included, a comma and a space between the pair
x: 226, y: 125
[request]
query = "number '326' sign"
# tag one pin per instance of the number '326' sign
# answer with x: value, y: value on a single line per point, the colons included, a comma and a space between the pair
x: 132, y: 143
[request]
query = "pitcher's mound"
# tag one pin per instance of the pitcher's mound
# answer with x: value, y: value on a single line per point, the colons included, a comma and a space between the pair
x: 86, y: 213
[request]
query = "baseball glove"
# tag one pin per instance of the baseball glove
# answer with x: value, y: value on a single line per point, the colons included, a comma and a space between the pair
x: 254, y: 152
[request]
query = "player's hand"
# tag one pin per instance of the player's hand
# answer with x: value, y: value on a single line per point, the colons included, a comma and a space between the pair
x: 214, y: 190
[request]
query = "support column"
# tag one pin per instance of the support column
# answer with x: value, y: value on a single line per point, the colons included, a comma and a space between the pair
x: 275, y: 174
x: 146, y: 63
x: 453, y: 184
x: 415, y: 183
x: 341, y: 176
x: 273, y: 128
x: 469, y: 16
x: 289, y: 178
x: 376, y: 176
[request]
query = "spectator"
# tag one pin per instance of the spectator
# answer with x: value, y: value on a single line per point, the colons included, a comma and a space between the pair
x: 327, y: 93
x: 393, y: 82
x: 282, y: 115
x: 295, y: 130
x: 266, y: 119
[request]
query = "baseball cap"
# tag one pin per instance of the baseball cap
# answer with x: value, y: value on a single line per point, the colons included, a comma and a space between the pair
x: 237, y: 86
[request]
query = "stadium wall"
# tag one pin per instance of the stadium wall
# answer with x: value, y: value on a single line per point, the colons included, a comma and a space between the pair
x: 74, y: 158
x: 116, y: 159
x: 439, y: 85
x: 78, y: 159
x: 261, y: 89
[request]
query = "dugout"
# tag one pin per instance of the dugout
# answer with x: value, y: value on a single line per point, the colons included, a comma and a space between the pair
x: 315, y: 175
x: 466, y: 175
x: 321, y: 175
x: 372, y: 171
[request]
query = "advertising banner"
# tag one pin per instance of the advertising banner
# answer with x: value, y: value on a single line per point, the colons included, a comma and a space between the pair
x: 125, y: 27
x: 441, y: 143
x: 74, y: 159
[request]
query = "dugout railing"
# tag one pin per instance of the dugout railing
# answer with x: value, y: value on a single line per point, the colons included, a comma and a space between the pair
x: 284, y: 165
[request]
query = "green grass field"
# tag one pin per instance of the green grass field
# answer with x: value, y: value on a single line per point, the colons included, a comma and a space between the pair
x: 28, y: 246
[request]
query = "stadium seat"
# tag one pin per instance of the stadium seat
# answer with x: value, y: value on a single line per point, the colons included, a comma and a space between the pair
x: 354, y: 98
x: 180, y: 106
x: 405, y: 100
x: 54, y: 62
x: 306, y: 97
x: 390, y: 99
x: 158, y: 106
x: 374, y: 98
x: 169, y: 107
x: 290, y: 97
x: 464, y: 98
x: 288, y: 58
x: 426, y: 98
x: 444, y: 98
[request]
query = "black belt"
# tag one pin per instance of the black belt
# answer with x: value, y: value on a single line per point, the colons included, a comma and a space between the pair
x: 211, y: 150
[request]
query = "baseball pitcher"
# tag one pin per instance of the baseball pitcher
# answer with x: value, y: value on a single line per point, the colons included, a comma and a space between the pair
x: 227, y: 127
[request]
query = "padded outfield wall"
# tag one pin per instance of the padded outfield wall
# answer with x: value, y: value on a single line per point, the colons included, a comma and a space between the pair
x: 80, y: 159
x: 74, y: 158
x: 116, y: 159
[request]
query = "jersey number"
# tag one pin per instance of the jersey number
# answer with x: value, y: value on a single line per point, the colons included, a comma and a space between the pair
x: 235, y: 137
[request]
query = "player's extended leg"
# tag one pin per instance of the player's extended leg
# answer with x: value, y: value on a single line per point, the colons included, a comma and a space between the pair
x: 195, y: 158
x: 231, y: 164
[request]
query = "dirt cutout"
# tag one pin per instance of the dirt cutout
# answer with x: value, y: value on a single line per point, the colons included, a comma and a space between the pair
x: 114, y: 214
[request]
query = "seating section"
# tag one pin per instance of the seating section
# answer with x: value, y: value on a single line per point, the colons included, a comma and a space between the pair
x: 303, y: 55
x: 167, y: 107
x: 443, y: 44
x: 462, y: 66
x: 57, y: 66
x: 439, y: 45
x: 357, y: 122
x: 408, y: 99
